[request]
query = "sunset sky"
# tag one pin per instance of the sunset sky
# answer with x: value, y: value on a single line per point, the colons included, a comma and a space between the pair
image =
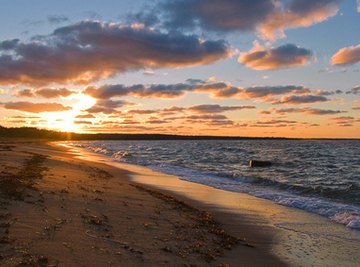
x: 286, y: 68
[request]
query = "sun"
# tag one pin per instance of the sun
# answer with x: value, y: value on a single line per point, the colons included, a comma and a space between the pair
x: 66, y: 120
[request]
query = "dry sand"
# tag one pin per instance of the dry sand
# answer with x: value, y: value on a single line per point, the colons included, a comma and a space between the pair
x: 58, y: 210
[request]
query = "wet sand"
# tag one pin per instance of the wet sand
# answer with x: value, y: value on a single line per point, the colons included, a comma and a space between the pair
x: 296, y: 237
x: 57, y: 209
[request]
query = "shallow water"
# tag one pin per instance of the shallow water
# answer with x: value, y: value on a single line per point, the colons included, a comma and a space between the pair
x: 322, y: 177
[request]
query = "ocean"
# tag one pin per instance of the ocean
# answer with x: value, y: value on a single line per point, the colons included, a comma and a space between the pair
x: 318, y: 176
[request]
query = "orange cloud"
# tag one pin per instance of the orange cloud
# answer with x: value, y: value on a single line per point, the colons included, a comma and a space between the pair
x: 346, y: 56
x: 298, y: 13
x: 36, y: 107
x: 45, y: 92
x: 91, y: 50
x: 345, y: 121
x: 284, y: 56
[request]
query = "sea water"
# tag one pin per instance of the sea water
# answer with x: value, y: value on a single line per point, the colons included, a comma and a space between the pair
x: 318, y: 176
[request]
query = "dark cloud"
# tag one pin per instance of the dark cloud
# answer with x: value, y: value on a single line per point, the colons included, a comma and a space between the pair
x: 148, y: 18
x: 207, y: 110
x: 284, y: 56
x: 225, y: 15
x: 155, y: 120
x: 9, y: 44
x: 274, y: 123
x: 308, y: 111
x: 345, y: 121
x: 36, y: 107
x: 141, y: 111
x: 155, y: 90
x: 169, y: 91
x: 139, y: 90
x: 355, y: 90
x: 268, y: 17
x: 216, y: 108
x: 108, y: 106
x: 346, y: 56
x: 91, y: 50
x: 208, y: 119
x: 328, y: 93
x: 307, y: 6
x: 268, y: 91
x: 301, y: 99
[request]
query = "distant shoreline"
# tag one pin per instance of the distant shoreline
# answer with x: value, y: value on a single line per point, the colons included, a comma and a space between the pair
x: 35, y: 133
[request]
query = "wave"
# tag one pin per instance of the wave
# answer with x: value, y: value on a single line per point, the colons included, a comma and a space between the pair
x: 319, y: 199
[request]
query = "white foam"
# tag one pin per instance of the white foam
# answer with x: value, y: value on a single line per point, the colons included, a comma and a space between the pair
x: 347, y: 215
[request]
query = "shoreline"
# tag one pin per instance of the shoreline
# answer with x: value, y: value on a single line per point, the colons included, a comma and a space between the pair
x: 77, y: 212
x: 297, y: 237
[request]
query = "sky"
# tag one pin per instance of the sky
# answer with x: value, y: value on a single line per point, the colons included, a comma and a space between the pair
x: 272, y: 68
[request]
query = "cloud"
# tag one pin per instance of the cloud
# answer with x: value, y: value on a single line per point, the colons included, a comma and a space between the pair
x: 358, y: 5
x: 155, y: 120
x: 85, y: 116
x: 295, y: 14
x: 109, y: 106
x: 36, y: 107
x: 268, y: 91
x: 274, y: 123
x: 269, y: 18
x: 149, y: 72
x: 225, y: 15
x: 167, y: 91
x: 82, y: 122
x: 24, y: 93
x: 346, y: 56
x: 300, y: 99
x: 208, y: 119
x: 355, y: 90
x: 138, y: 90
x: 284, y: 56
x: 53, y: 93
x: 308, y: 111
x: 141, y: 111
x: 345, y: 121
x: 9, y: 44
x: 45, y: 92
x: 328, y: 93
x: 91, y: 50
x: 171, y: 91
x: 199, y: 110
x: 216, y: 108
x: 56, y: 19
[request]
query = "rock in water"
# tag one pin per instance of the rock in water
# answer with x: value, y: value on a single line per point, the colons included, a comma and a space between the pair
x: 260, y: 163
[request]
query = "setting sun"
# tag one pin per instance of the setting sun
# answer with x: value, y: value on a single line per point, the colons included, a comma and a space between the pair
x: 66, y: 120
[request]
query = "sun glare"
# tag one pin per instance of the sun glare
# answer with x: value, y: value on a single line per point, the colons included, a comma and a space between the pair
x: 66, y: 120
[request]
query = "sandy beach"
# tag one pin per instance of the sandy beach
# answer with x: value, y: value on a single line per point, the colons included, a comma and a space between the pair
x: 59, y: 210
